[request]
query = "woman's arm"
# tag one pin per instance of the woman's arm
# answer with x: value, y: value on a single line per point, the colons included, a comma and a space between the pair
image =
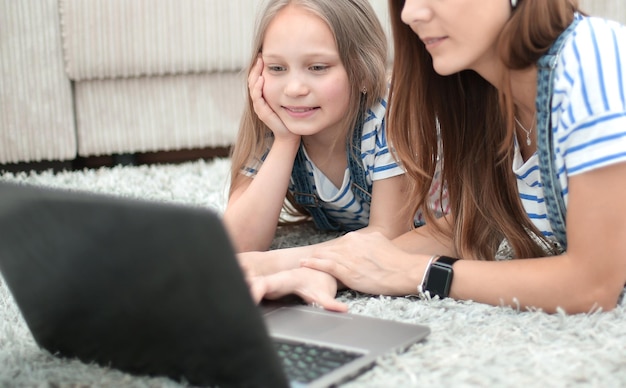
x: 590, y: 275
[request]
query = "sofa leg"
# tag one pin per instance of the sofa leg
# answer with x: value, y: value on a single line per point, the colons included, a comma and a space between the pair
x: 125, y: 159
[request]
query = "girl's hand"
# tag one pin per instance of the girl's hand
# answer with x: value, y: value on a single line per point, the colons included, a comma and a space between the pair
x: 263, y: 263
x: 252, y: 263
x: 369, y: 263
x: 312, y: 286
x: 261, y: 107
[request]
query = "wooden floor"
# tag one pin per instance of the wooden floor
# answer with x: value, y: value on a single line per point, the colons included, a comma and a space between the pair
x: 80, y: 163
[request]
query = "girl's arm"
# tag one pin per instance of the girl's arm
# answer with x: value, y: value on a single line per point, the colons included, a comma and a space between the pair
x: 591, y: 274
x: 254, y: 205
x: 387, y: 213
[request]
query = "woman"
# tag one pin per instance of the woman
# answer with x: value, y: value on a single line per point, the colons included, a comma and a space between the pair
x: 477, y: 84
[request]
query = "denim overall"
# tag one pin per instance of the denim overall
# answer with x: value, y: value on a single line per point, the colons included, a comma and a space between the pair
x: 545, y: 141
x: 304, y: 194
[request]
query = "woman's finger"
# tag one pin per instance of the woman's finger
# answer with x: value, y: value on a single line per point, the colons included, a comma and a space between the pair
x: 331, y: 267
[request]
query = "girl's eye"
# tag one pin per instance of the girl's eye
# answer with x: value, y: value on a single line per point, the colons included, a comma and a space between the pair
x: 318, y: 67
x: 275, y: 68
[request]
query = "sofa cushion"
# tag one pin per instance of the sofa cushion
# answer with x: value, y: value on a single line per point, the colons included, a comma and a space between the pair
x: 145, y: 114
x: 36, y: 108
x: 127, y: 38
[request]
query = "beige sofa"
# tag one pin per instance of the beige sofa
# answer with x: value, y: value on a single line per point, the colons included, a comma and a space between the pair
x: 81, y: 78
x: 96, y: 77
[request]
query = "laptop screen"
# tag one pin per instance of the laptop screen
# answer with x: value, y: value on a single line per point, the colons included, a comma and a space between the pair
x: 144, y: 287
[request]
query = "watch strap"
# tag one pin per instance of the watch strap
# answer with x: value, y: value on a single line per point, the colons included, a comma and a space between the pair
x: 439, y: 279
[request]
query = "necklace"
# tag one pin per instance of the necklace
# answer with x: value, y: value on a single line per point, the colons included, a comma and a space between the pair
x: 527, y: 131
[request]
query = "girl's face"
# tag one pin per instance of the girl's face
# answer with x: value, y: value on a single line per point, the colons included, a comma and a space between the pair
x: 458, y: 34
x: 305, y: 81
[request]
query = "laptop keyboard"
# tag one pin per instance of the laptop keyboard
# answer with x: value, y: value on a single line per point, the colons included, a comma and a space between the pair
x: 304, y: 363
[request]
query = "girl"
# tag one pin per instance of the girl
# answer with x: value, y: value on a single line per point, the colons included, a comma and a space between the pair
x: 525, y: 103
x: 314, y: 126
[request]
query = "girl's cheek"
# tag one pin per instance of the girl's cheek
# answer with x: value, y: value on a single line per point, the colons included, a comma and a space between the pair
x: 270, y: 90
x: 267, y: 85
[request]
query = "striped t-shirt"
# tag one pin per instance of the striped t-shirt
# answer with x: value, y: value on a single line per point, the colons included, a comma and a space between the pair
x: 341, y: 204
x: 588, y: 112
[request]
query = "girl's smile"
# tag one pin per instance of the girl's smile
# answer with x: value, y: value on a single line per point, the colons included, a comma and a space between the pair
x: 300, y: 112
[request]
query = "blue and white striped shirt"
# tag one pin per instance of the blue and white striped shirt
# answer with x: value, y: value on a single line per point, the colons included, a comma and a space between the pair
x: 341, y: 204
x: 588, y: 112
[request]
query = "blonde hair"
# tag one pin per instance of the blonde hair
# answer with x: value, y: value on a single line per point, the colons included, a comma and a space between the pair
x: 477, y: 130
x: 362, y: 47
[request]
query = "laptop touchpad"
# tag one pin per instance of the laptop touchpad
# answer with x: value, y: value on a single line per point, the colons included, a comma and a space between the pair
x: 304, y: 323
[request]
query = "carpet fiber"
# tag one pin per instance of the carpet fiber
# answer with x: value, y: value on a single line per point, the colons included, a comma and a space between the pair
x: 471, y: 344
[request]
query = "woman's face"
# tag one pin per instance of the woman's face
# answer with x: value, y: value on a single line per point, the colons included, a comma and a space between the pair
x: 306, y: 83
x: 458, y: 34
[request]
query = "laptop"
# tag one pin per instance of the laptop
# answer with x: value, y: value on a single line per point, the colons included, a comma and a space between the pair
x: 155, y: 289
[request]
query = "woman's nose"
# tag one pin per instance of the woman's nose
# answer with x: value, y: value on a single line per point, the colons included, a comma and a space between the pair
x: 415, y: 11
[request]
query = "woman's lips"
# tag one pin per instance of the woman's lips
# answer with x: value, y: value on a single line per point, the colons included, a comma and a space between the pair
x: 433, y: 42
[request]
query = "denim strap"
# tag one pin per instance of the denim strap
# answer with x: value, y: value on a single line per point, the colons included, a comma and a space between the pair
x: 304, y: 194
x: 545, y: 140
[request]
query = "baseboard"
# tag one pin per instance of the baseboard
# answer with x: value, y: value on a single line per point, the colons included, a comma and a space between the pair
x: 160, y: 157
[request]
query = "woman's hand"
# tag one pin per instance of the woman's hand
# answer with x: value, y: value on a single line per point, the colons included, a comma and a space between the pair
x: 370, y: 263
x: 261, y: 107
x: 312, y: 286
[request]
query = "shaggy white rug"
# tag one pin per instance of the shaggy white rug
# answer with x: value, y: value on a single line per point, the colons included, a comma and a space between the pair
x: 471, y: 344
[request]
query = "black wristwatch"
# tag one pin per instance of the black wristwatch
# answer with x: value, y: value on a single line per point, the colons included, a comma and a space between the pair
x: 440, y: 276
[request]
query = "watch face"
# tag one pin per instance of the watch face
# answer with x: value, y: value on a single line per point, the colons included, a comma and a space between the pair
x: 439, y: 281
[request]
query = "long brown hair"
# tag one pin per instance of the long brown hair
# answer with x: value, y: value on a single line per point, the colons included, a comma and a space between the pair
x: 362, y: 47
x: 476, y: 130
